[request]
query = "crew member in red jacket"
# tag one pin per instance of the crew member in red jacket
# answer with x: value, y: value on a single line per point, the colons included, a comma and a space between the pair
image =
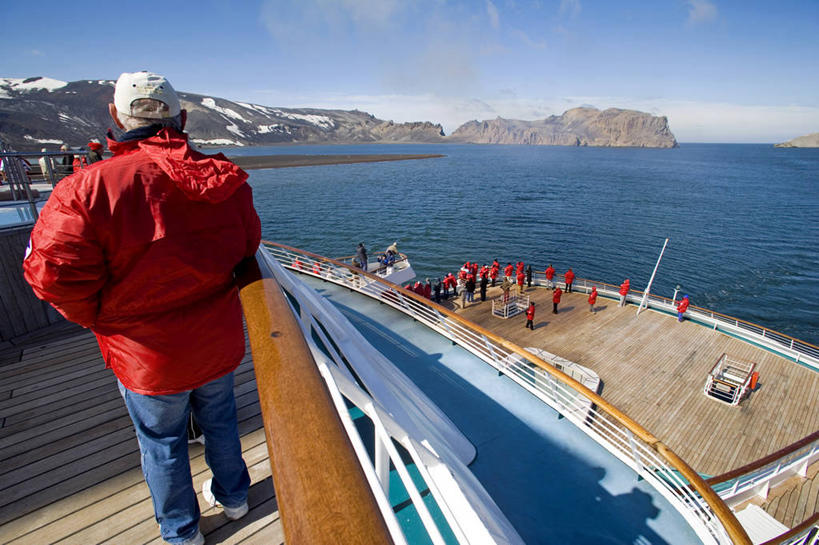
x: 624, y: 288
x: 556, y: 299
x: 592, y: 298
x: 682, y: 306
x: 141, y: 249
x: 550, y: 275
x: 508, y: 270
x: 530, y: 316
x: 493, y: 273
x: 521, y: 278
x: 569, y: 276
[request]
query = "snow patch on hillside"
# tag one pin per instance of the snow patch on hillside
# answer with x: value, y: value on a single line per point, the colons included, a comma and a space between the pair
x: 318, y: 120
x: 235, y: 130
x: 217, y: 142
x: 210, y: 103
x: 276, y: 127
x: 42, y: 140
x: 32, y: 84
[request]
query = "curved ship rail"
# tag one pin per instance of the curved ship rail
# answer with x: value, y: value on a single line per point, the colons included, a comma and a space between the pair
x: 756, y: 478
x: 314, y: 409
x: 705, y: 511
x: 779, y: 343
x: 301, y: 423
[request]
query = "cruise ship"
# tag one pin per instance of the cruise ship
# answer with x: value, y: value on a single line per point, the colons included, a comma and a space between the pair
x: 371, y: 414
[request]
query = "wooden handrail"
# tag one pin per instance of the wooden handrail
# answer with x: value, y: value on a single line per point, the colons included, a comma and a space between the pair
x: 795, y: 531
x: 322, y: 492
x: 762, y: 462
x: 729, y: 521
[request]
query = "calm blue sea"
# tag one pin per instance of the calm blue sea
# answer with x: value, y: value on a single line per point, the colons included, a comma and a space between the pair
x: 743, y: 220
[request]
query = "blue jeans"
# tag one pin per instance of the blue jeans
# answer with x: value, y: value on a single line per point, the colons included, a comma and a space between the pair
x: 160, y: 422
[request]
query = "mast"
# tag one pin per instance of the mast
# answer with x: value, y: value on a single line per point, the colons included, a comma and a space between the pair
x: 651, y: 280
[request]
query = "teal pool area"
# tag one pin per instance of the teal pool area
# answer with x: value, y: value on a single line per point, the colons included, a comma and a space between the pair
x: 553, y: 482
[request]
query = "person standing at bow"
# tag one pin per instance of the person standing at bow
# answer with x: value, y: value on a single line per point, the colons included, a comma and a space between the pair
x: 141, y: 249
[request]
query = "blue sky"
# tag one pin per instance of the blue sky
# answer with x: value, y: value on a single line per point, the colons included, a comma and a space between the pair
x: 722, y: 71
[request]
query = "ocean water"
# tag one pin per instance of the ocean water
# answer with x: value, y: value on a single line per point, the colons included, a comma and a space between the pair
x: 743, y: 220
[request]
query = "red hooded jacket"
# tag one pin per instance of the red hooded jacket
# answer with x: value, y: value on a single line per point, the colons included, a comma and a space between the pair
x: 549, y: 272
x: 530, y: 312
x: 682, y: 306
x: 624, y: 287
x: 593, y: 296
x: 556, y: 295
x: 141, y: 248
x: 569, y: 276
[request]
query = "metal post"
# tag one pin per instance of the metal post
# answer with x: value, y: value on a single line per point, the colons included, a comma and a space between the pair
x: 651, y: 280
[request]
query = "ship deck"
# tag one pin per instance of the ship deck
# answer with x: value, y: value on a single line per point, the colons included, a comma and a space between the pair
x: 69, y: 459
x: 654, y: 369
x: 69, y: 462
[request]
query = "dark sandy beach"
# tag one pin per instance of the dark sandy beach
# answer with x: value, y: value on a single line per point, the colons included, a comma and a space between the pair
x: 282, y: 161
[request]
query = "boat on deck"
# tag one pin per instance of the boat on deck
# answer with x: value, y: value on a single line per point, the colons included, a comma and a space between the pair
x: 392, y: 419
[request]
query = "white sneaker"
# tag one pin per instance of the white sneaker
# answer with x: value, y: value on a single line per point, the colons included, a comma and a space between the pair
x: 198, y: 539
x: 233, y: 513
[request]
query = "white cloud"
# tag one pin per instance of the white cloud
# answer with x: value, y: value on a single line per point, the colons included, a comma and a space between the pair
x: 701, y: 11
x: 492, y: 11
x: 570, y: 7
x: 526, y: 39
x: 293, y: 20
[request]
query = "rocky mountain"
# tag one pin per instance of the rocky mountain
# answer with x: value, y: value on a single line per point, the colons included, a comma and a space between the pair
x: 42, y: 112
x: 807, y: 141
x: 576, y: 127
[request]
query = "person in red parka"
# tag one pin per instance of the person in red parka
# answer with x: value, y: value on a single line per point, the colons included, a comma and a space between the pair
x: 592, y: 298
x: 508, y: 270
x: 550, y: 275
x: 556, y: 299
x: 521, y: 278
x: 624, y: 288
x: 682, y: 306
x: 530, y: 316
x: 569, y: 276
x: 141, y: 249
x: 493, y: 273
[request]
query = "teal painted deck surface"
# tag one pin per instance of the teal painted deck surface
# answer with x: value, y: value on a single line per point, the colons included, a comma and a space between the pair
x: 553, y: 482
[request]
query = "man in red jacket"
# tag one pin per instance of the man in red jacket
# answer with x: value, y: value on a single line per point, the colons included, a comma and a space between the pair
x: 550, y: 275
x: 141, y: 248
x: 569, y: 276
x: 556, y: 299
x: 530, y: 316
x: 624, y: 289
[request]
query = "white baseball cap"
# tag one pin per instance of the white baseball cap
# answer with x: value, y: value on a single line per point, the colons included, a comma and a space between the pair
x: 132, y: 87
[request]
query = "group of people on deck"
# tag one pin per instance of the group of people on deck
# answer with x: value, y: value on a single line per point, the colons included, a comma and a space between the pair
x: 517, y: 275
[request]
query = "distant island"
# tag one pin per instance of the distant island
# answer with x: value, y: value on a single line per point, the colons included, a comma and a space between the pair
x: 42, y: 112
x: 807, y: 141
x: 576, y: 127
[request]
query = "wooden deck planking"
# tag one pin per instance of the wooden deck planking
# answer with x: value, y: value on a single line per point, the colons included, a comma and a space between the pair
x: 69, y: 460
x: 654, y: 369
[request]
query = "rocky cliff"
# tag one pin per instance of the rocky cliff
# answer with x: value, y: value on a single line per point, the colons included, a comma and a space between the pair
x: 576, y: 127
x: 807, y: 141
x: 42, y: 112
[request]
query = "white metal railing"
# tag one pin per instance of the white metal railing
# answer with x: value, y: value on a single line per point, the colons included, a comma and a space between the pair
x: 759, y: 481
x: 729, y: 379
x: 470, y: 514
x: 508, y: 306
x: 774, y: 341
x: 564, y: 394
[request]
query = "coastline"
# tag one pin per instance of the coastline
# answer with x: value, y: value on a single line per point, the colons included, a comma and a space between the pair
x: 283, y: 161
